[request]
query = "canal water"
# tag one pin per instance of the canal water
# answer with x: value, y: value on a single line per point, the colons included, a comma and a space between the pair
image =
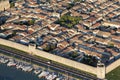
x: 11, y: 73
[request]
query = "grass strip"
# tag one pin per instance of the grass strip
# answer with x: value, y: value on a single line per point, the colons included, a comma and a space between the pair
x: 114, y: 74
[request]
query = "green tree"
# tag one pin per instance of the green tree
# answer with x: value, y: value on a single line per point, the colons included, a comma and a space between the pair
x: 110, y: 45
x: 47, y: 48
x: 69, y: 21
x: 90, y: 60
x: 12, y: 4
x: 50, y: 47
x: 73, y: 54
x: 31, y: 22
x: 70, y: 6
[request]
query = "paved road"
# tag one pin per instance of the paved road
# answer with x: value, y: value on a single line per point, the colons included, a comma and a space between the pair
x: 52, y: 65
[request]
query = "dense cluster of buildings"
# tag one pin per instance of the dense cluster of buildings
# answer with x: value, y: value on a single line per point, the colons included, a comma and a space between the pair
x: 97, y: 34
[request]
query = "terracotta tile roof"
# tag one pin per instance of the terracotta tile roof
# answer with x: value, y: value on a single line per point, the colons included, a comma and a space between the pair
x: 118, y: 30
x: 79, y: 27
x: 111, y: 15
x: 96, y: 25
x: 96, y: 54
x: 115, y: 24
x: 53, y: 26
x: 8, y: 32
x: 68, y: 49
x: 113, y: 52
x: 23, y: 34
x: 58, y: 39
x: 43, y: 45
x: 36, y: 27
x: 91, y: 53
x: 99, y: 40
x: 30, y: 31
x: 91, y: 19
x: 75, y: 14
x: 47, y: 38
x: 115, y: 37
x: 64, y: 43
x: 61, y: 47
x: 86, y: 23
x: 17, y: 37
x: 104, y: 34
x: 98, y: 49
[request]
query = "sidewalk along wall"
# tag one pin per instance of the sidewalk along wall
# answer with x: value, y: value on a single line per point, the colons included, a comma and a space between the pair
x: 112, y: 66
x: 56, y: 58
x: 14, y: 45
x: 4, y: 5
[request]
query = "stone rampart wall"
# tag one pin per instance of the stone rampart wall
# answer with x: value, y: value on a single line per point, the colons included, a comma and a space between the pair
x: 113, y: 66
x: 56, y: 58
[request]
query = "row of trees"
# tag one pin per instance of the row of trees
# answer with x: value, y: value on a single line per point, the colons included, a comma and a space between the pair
x: 90, y: 60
